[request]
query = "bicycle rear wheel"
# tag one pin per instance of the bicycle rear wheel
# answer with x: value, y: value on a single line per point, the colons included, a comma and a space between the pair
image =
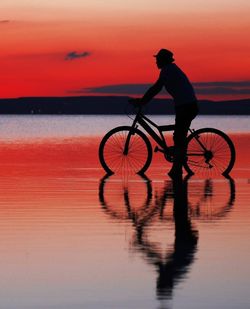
x: 210, y: 152
x: 111, y: 151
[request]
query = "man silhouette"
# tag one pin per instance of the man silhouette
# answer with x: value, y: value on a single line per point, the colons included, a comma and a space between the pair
x: 179, y: 87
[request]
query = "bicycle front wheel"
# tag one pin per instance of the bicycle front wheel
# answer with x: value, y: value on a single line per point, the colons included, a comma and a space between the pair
x: 111, y: 151
x: 210, y: 152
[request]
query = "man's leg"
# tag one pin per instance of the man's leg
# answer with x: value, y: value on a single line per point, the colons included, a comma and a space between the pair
x: 183, y: 119
x: 180, y: 135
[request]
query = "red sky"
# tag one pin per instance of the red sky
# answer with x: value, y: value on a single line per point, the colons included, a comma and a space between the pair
x: 112, y: 42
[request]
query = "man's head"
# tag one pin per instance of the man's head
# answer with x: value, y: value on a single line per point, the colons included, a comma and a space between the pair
x: 163, y: 57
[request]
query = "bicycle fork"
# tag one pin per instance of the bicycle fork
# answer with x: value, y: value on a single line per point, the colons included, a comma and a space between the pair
x: 126, y: 146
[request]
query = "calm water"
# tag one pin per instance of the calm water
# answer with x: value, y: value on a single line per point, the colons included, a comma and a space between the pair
x: 72, y: 238
x: 13, y: 127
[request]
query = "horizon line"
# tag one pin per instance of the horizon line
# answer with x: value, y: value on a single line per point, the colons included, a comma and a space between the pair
x: 115, y: 95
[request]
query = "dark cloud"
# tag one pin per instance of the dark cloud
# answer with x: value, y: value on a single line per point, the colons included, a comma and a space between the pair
x: 226, y: 84
x: 201, y: 88
x: 4, y: 21
x: 223, y: 88
x: 74, y: 55
x: 118, y: 89
x: 222, y: 91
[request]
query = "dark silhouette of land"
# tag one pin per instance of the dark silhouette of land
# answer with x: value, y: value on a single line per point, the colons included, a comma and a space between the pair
x: 112, y: 105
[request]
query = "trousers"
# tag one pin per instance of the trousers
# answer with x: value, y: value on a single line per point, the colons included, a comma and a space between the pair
x: 184, y: 114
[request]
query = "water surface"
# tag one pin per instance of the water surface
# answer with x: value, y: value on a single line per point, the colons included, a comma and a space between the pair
x: 73, y: 238
x: 42, y: 126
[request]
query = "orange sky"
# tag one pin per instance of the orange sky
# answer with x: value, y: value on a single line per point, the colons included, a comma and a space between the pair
x: 112, y: 42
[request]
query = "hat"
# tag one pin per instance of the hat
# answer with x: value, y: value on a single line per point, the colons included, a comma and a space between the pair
x: 164, y: 54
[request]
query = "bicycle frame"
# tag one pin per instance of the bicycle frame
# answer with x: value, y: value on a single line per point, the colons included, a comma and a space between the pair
x: 145, y: 122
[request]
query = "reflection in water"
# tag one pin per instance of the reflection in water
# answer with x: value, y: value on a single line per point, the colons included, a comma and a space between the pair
x: 208, y: 202
x: 118, y: 198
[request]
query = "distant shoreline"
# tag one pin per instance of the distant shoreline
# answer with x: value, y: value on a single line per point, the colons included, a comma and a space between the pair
x: 111, y: 105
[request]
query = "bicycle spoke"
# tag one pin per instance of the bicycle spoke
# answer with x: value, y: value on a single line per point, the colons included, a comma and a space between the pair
x: 209, y: 152
x: 135, y: 160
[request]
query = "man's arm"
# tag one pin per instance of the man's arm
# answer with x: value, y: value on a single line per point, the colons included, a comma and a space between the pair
x: 152, y: 91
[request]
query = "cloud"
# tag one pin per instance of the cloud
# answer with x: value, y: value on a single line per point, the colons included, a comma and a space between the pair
x: 74, y: 55
x: 223, y: 88
x: 4, y: 21
x: 223, y: 84
x: 118, y: 89
x: 222, y: 91
x: 201, y: 88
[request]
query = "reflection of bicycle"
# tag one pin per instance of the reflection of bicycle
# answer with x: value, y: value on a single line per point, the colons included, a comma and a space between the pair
x: 120, y: 198
x: 211, y: 200
x: 192, y: 200
x: 128, y: 149
x: 173, y: 264
x: 207, y: 200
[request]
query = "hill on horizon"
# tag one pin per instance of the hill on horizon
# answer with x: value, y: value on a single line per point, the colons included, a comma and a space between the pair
x: 112, y: 105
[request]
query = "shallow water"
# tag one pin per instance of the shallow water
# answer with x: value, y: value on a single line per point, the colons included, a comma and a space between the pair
x: 44, y: 126
x: 72, y: 238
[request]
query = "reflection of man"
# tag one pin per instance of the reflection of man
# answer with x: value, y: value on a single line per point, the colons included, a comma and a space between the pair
x: 177, y: 264
x: 172, y: 267
x: 179, y: 87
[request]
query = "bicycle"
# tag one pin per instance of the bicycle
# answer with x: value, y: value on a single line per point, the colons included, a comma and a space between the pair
x: 127, y: 149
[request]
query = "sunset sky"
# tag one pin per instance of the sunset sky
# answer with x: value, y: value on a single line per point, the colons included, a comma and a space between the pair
x: 82, y: 47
